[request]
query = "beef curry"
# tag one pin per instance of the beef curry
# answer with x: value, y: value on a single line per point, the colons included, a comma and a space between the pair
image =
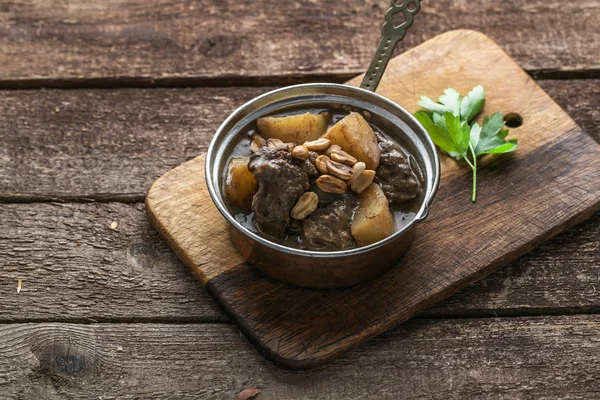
x: 322, y: 181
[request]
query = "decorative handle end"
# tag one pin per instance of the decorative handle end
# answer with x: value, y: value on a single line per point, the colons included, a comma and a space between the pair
x: 391, y: 33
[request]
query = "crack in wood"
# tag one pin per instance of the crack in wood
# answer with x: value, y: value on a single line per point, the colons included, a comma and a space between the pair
x: 241, y: 81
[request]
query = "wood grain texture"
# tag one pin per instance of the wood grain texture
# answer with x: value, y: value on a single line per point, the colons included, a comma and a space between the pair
x: 81, y: 145
x: 208, y: 252
x: 579, y: 99
x: 164, y: 40
x: 104, y: 144
x: 553, y: 181
x: 75, y: 268
x: 517, y: 358
x: 112, y: 144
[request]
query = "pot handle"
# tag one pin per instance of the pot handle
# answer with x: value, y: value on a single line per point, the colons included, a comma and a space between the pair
x: 390, y: 35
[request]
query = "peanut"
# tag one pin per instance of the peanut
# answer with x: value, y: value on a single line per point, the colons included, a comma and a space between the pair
x: 331, y: 184
x: 300, y: 152
x: 358, y: 169
x: 312, y: 156
x: 363, y: 181
x: 342, y: 157
x: 339, y: 170
x: 306, y: 204
x: 317, y: 145
x: 332, y: 148
x: 321, y: 163
x: 257, y: 142
x: 272, y: 143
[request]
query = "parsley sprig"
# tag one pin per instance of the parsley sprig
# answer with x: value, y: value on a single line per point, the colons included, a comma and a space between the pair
x: 448, y: 122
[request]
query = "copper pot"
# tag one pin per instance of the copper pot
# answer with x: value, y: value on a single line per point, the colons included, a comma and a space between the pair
x: 318, y: 269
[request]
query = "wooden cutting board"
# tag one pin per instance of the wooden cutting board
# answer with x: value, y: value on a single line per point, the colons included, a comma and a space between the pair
x: 551, y: 183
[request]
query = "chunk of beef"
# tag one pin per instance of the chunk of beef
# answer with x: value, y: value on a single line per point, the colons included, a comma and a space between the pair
x: 281, y: 180
x: 310, y: 169
x: 328, y: 227
x: 398, y: 180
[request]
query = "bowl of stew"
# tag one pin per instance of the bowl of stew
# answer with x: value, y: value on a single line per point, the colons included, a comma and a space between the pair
x: 322, y: 184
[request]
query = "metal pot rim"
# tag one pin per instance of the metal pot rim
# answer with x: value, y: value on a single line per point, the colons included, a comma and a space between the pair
x: 223, y: 131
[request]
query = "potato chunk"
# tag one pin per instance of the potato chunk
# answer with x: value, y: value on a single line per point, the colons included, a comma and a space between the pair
x: 294, y: 128
x: 240, y: 185
x: 373, y: 220
x: 356, y: 137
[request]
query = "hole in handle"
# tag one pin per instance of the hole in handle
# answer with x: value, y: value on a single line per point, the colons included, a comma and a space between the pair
x: 398, y: 19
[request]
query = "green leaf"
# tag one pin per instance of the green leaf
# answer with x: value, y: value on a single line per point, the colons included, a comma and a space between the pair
x: 451, y: 99
x: 458, y: 131
x: 491, y: 135
x: 492, y: 125
x: 431, y: 105
x: 439, y: 136
x: 455, y: 155
x: 474, y: 135
x: 472, y: 104
x: 448, y: 124
x: 507, y: 147
x: 440, y: 121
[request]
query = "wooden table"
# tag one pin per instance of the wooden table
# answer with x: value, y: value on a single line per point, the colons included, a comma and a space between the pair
x: 98, y: 99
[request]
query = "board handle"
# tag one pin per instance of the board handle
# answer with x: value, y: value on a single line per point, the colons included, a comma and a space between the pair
x: 391, y: 33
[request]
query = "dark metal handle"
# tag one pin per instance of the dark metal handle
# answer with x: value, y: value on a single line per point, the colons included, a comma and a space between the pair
x: 390, y: 35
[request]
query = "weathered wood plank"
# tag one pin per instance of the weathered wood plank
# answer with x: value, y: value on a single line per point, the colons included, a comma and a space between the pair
x: 167, y: 40
x: 580, y: 99
x: 112, y: 144
x: 505, y: 358
x: 104, y: 142
x: 75, y: 268
x: 538, y: 278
